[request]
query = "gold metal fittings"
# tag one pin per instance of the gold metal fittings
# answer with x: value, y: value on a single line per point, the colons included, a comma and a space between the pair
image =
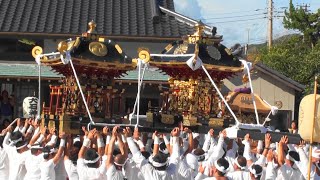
x: 98, y: 49
x: 37, y: 50
x: 92, y: 26
x: 144, y: 55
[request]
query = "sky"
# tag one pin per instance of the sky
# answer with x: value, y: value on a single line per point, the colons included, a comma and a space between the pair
x: 240, y: 21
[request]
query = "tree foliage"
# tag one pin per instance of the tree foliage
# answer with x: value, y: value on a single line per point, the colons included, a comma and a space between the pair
x: 306, y: 22
x: 296, y: 56
x: 293, y: 59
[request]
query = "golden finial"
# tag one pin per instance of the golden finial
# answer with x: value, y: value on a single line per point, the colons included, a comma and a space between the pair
x: 199, y: 28
x: 92, y: 27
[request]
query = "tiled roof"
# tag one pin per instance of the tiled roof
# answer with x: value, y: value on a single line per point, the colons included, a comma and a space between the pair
x: 31, y: 70
x: 113, y: 17
x: 152, y: 74
x: 26, y: 70
x: 290, y: 82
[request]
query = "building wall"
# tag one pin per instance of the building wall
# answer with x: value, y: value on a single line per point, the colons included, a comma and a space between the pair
x: 267, y: 87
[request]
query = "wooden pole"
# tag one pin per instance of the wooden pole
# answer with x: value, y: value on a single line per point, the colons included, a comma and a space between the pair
x: 312, y: 131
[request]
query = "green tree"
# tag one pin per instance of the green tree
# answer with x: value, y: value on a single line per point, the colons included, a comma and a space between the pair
x: 293, y: 59
x: 306, y: 22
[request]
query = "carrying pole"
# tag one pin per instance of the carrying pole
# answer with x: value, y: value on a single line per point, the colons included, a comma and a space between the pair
x: 312, y: 123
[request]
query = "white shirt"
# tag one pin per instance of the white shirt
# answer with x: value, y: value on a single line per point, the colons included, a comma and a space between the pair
x: 287, y: 172
x: 4, y: 164
x: 17, y: 169
x: 132, y: 171
x: 86, y: 173
x: 32, y: 165
x: 184, y: 172
x: 239, y: 175
x: 71, y: 170
x: 60, y: 170
x: 47, y: 170
x: 147, y: 170
x: 114, y: 174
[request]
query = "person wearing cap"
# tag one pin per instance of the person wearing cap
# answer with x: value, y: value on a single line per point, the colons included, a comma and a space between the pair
x: 288, y: 168
x: 158, y: 166
x: 240, y: 166
x: 17, y: 151
x: 51, y: 159
x: 116, y: 165
x: 89, y: 166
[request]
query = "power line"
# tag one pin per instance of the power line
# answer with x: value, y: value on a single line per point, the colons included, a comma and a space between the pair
x: 234, y: 16
x: 237, y: 12
x: 235, y: 20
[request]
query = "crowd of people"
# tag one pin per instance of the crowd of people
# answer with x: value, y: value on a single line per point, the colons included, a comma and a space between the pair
x: 30, y: 151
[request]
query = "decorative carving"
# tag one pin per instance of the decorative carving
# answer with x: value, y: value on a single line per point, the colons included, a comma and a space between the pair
x: 98, y: 49
x: 181, y: 49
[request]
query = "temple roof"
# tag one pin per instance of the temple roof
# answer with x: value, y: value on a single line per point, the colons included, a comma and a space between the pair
x: 140, y: 18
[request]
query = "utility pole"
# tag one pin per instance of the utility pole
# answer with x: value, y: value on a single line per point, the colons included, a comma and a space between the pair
x: 248, y: 29
x: 270, y: 10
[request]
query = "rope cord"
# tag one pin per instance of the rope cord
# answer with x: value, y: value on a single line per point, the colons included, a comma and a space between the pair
x: 139, y: 89
x: 83, y: 98
x: 221, y: 96
x: 245, y: 64
x: 39, y: 93
x: 171, y: 55
x: 141, y: 80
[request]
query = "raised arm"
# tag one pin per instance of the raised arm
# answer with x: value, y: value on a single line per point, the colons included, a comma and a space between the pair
x: 106, y: 133
x: 156, y: 142
x: 190, y: 139
x: 208, y: 140
x: 86, y: 143
x: 58, y: 155
x: 109, y: 160
x: 247, y: 149
x: 68, y: 147
x: 281, y: 155
x: 100, y: 143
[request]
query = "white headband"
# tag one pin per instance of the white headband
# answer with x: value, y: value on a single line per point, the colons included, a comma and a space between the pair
x: 220, y: 168
x: 25, y: 144
x: 315, y: 153
x: 53, y: 150
x: 13, y: 142
x: 122, y: 163
x: 92, y: 161
x: 200, y: 157
x: 254, y: 172
x: 290, y: 158
x: 236, y: 162
x: 165, y: 151
x: 156, y: 164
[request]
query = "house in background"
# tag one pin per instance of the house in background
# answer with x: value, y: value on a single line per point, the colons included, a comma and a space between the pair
x: 133, y: 24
